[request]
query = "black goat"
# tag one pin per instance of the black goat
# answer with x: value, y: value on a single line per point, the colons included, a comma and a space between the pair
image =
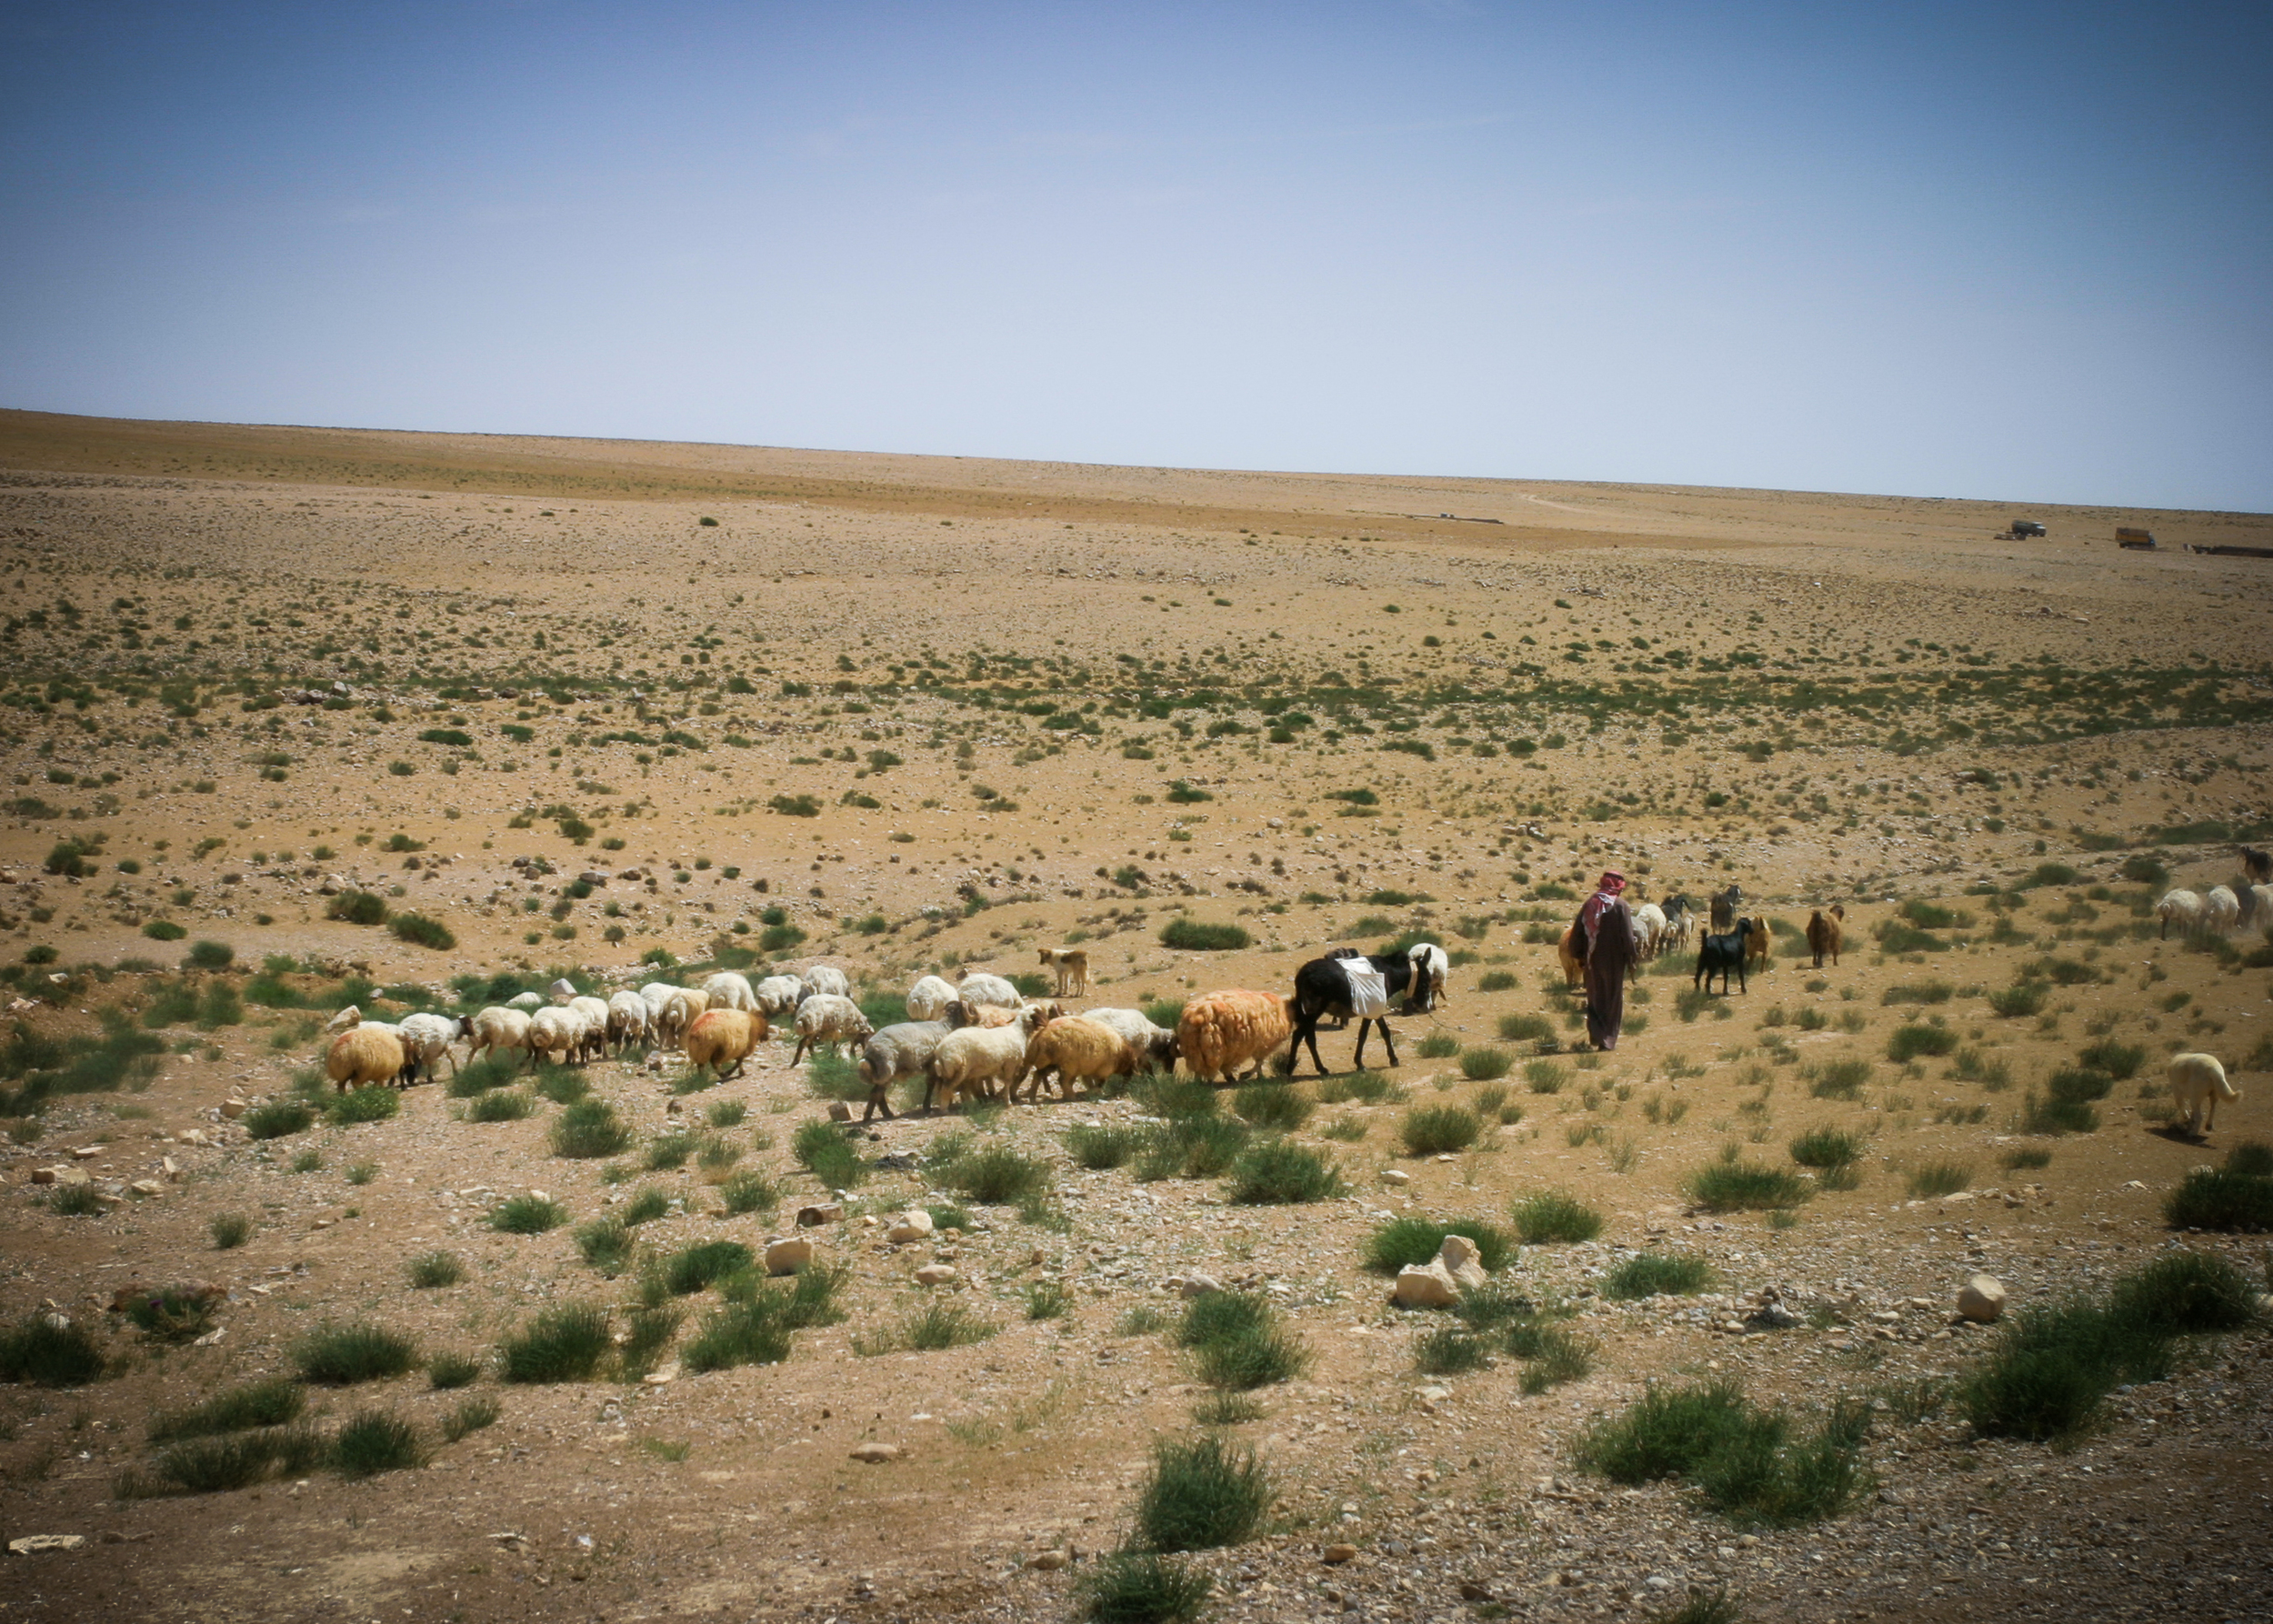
x: 1322, y: 988
x: 2257, y: 864
x: 1723, y: 953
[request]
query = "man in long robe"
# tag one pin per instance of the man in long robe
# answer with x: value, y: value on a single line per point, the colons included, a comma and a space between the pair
x: 1607, y: 927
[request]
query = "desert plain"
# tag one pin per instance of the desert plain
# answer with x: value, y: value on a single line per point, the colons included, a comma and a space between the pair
x: 627, y: 712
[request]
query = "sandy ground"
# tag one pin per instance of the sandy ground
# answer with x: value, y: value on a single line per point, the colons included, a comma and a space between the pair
x: 242, y: 661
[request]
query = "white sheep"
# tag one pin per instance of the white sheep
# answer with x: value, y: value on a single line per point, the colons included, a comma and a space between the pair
x: 1649, y: 930
x: 727, y: 990
x: 977, y: 1060
x: 657, y: 994
x: 2197, y: 1082
x: 427, y: 1038
x: 1154, y: 1045
x: 2221, y: 909
x: 827, y: 979
x: 593, y: 1013
x: 679, y: 1010
x: 2182, y: 908
x: 626, y: 1018
x: 778, y: 995
x: 829, y: 1018
x: 929, y: 997
x: 978, y: 988
x: 2258, y: 906
x: 555, y: 1029
x: 498, y: 1029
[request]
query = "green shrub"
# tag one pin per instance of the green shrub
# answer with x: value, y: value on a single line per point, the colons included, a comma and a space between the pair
x: 1655, y: 1274
x: 1101, y: 1145
x: 1277, y: 1172
x: 1483, y: 1062
x: 997, y: 1176
x: 566, y: 1085
x: 1837, y: 1079
x: 274, y: 1402
x: 588, y: 1129
x: 275, y: 1119
x: 374, y: 1441
x: 1434, y: 1131
x: 2222, y: 1199
x: 932, y: 1329
x: 1190, y: 936
x: 164, y: 930
x: 431, y: 1270
x: 2022, y: 999
x: 749, y: 1192
x: 1525, y: 1029
x: 375, y: 1104
x: 1202, y: 1494
x: 500, y: 1104
x: 2056, y: 1116
x: 2079, y: 1085
x: 421, y: 931
x: 478, y: 1076
x: 1732, y: 1187
x: 1372, y: 1087
x: 751, y: 1332
x: 357, y: 907
x: 171, y: 1313
x: 1828, y: 1148
x: 449, y: 1370
x: 701, y: 1265
x: 2052, y: 1368
x: 565, y: 1343
x: 1139, y: 1587
x: 2251, y: 1158
x: 1440, y: 1045
x: 2186, y: 1294
x: 605, y: 1244
x: 209, y: 956
x: 1551, y: 1355
x: 1743, y: 1460
x: 229, y: 1231
x: 1544, y: 1077
x: 1410, y: 1241
x: 470, y: 1417
x: 1278, y: 1105
x: 39, y: 1354
x: 527, y: 1214
x: 217, y: 1465
x: 1450, y: 1351
x: 1907, y: 1043
x: 1191, y: 1148
x: 342, y: 1355
x: 1552, y: 1218
x: 822, y: 1150
x: 1939, y: 1178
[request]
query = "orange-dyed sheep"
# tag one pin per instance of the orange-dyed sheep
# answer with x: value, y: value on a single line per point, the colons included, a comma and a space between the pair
x: 723, y: 1038
x: 1222, y: 1031
x: 1072, y: 1050
x: 363, y: 1055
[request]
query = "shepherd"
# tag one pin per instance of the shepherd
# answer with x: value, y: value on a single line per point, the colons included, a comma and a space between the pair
x: 1605, y: 931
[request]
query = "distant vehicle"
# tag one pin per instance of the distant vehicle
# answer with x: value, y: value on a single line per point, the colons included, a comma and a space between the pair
x: 2143, y: 541
x: 2021, y: 528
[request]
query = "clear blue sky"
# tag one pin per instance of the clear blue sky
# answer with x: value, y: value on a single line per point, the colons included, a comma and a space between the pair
x: 2017, y: 251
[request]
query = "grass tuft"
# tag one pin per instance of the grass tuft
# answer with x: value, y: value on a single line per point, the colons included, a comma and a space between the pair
x: 1435, y: 1130
x: 1277, y: 1173
x: 1554, y: 1217
x: 430, y: 1270
x: 1737, y: 1185
x: 527, y: 1214
x: 1202, y: 1494
x: 1278, y: 1107
x: 373, y: 1441
x: 588, y: 1129
x: 1140, y: 1587
x: 1656, y: 1274
x: 341, y: 1355
x: 565, y: 1343
x: 229, y: 1231
x: 274, y: 1402
x: 1408, y: 1241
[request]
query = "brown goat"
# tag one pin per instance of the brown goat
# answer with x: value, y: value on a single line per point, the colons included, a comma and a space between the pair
x: 1824, y: 934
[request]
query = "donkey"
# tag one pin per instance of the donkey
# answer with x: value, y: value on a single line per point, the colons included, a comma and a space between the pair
x: 1322, y: 988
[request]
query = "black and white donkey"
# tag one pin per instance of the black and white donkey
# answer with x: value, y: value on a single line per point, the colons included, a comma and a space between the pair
x: 1323, y: 988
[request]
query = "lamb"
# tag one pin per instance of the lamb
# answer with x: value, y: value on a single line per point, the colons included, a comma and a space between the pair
x: 1071, y: 965
x: 927, y: 1000
x: 829, y: 1018
x: 1680, y: 919
x: 426, y: 1038
x: 626, y: 1020
x: 727, y: 990
x: 2221, y: 909
x: 555, y: 1029
x: 362, y: 1057
x: 2182, y: 908
x: 679, y: 1011
x: 1722, y: 953
x: 1155, y: 1046
x: 903, y: 1049
x: 723, y: 1038
x: 1824, y: 934
x: 593, y: 1013
x: 2197, y: 1082
x: 982, y: 988
x: 975, y: 1060
x: 1755, y: 941
x: 497, y: 1030
x: 826, y: 978
x: 1076, y: 1051
x: 779, y: 995
x: 1650, y: 931
x: 1222, y: 1031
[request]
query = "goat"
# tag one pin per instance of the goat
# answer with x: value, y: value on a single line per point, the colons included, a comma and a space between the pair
x: 1567, y: 955
x: 1724, y: 904
x: 1071, y: 966
x: 1324, y: 987
x: 2257, y: 864
x: 1756, y: 942
x: 1824, y: 934
x: 1723, y: 952
x: 1680, y: 918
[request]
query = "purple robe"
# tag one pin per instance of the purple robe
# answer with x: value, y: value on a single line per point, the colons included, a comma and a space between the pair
x: 1610, y: 956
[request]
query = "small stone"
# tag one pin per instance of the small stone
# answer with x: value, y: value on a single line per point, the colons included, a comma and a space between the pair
x: 170, y: 1168
x: 43, y: 1175
x: 874, y: 1453
x: 910, y: 1226
x: 1047, y: 1562
x: 1334, y: 1556
x: 663, y: 1376
x: 232, y: 1107
x: 787, y: 1255
x: 839, y: 1111
x: 1748, y: 1541
x: 1426, y: 1286
x: 86, y: 1152
x: 1396, y: 1176
x: 1197, y: 1285
x: 1463, y: 1262
x: 1471, y: 1590
x: 1982, y: 1299
x: 819, y: 1213
x: 935, y: 1274
x: 25, y: 1545
x: 147, y: 1187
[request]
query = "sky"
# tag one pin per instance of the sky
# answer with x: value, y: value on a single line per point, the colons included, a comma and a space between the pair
x: 2005, y: 251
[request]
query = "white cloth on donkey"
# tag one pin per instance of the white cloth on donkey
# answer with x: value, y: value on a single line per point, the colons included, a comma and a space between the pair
x: 1369, y: 988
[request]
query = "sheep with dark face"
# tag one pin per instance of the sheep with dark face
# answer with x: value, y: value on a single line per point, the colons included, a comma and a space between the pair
x: 902, y: 1049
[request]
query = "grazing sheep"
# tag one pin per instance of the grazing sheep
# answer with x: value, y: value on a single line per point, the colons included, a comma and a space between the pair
x: 1222, y: 1031
x: 426, y: 1038
x: 626, y: 1020
x: 592, y: 1044
x: 498, y: 1028
x: 977, y: 987
x: 1824, y: 935
x: 2257, y: 864
x: 902, y: 1049
x: 827, y: 979
x: 2258, y: 906
x: 1723, y: 953
x: 1681, y: 920
x: 961, y: 1014
x: 1567, y: 954
x: 1070, y: 1050
x: 1755, y: 941
x: 727, y: 990
x: 363, y: 1055
x: 2182, y: 908
x: 778, y: 995
x: 928, y: 999
x: 1650, y: 931
x: 976, y: 1061
x: 679, y: 1011
x: 2197, y: 1082
x: 1071, y: 966
x: 657, y: 994
x: 2221, y: 909
x: 525, y: 1001
x: 1155, y: 1046
x: 554, y: 1029
x: 830, y: 1019
x: 723, y: 1038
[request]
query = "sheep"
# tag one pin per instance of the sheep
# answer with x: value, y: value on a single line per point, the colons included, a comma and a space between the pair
x: 960, y: 1014
x: 1076, y: 1051
x: 426, y: 1038
x: 525, y: 1001
x: 1824, y: 935
x: 554, y: 1029
x: 363, y: 1055
x: 498, y: 1028
x: 1222, y: 1031
x: 1566, y: 953
x: 727, y: 990
x: 982, y: 988
x: 593, y: 1012
x: 2183, y: 908
x: 626, y: 1018
x: 679, y: 1011
x: 723, y: 1038
x: 2260, y: 907
x: 902, y: 1049
x: 2197, y: 1082
x: 927, y: 1000
x: 1723, y: 953
x: 2221, y: 909
x: 1070, y: 964
x: 2257, y: 866
x: 1755, y: 941
x: 826, y: 978
x: 973, y: 1059
x: 829, y: 1018
x: 1155, y: 1046
x: 1681, y: 920
x: 1650, y: 931
x: 779, y: 995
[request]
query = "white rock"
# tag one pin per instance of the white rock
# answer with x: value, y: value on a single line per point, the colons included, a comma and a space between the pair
x: 26, y: 1545
x: 876, y: 1454
x: 1396, y: 1176
x: 1462, y: 1261
x: 787, y: 1255
x: 1982, y: 1299
x: 914, y: 1225
x: 1197, y: 1285
x: 934, y: 1274
x: 1426, y: 1286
